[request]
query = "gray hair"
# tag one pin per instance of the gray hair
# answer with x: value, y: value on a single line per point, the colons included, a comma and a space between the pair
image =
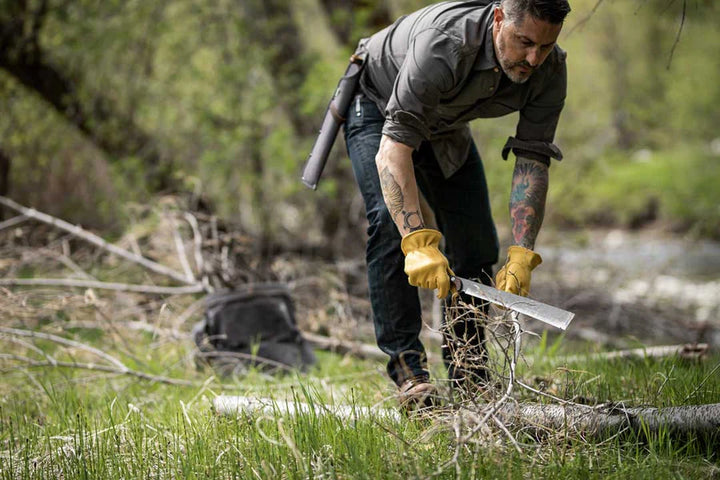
x: 551, y: 11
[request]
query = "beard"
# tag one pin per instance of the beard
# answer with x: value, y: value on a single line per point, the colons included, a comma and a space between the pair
x: 509, y: 66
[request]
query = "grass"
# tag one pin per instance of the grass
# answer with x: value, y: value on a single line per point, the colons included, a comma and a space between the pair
x: 72, y: 423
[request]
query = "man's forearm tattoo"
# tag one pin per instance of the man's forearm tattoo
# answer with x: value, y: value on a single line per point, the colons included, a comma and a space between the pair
x: 395, y: 201
x: 413, y: 220
x: 392, y: 192
x: 527, y: 201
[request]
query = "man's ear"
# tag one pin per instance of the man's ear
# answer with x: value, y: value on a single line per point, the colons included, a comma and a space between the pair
x: 498, y: 16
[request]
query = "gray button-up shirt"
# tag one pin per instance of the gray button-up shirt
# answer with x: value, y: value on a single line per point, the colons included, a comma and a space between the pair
x: 434, y: 70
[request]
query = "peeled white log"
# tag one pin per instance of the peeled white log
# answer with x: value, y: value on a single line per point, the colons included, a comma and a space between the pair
x: 590, y: 422
x: 234, y: 405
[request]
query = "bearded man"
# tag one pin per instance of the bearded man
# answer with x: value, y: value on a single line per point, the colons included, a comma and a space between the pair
x: 425, y: 77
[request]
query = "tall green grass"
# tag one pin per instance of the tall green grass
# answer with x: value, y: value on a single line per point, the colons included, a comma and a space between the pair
x: 69, y: 423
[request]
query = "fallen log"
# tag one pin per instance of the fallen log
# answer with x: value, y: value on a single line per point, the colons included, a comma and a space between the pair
x: 688, y: 351
x: 235, y: 405
x: 604, y: 421
x: 587, y: 422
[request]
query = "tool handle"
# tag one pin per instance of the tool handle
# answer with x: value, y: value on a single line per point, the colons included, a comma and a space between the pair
x: 331, y: 123
x: 456, y: 283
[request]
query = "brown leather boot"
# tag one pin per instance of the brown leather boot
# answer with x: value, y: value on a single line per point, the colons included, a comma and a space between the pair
x: 417, y: 394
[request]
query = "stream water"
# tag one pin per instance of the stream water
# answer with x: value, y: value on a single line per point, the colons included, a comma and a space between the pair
x: 643, y: 285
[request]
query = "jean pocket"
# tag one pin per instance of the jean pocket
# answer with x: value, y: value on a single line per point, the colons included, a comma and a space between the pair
x: 363, y: 112
x: 356, y: 111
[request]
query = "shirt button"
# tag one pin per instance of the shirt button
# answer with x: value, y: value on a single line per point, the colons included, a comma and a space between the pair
x: 495, y: 70
x: 491, y: 88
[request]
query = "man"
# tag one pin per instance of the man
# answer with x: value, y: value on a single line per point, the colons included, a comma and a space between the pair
x: 425, y: 77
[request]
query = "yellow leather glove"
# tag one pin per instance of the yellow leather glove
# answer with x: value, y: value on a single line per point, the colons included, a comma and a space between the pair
x: 425, y: 265
x: 514, y: 277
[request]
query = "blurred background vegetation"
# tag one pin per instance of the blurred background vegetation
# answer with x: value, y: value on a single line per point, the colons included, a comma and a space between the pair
x: 106, y: 104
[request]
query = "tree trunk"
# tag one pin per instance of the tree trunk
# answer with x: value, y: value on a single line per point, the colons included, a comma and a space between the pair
x: 618, y: 61
x: 22, y: 56
x: 261, y: 203
x: 4, y: 179
x: 272, y: 23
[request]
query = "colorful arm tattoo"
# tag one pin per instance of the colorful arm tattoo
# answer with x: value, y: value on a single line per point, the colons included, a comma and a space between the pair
x: 527, y: 200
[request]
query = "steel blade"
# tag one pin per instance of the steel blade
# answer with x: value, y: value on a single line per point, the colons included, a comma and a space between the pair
x: 554, y: 316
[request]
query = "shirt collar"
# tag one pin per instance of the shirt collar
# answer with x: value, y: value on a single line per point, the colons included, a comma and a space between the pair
x: 486, y: 53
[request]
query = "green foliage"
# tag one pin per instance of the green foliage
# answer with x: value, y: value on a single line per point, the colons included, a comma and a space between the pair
x: 675, y: 186
x: 54, y: 169
x: 199, y: 79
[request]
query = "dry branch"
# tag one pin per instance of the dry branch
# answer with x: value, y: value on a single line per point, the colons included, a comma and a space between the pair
x: 102, y: 368
x: 197, y: 249
x: 64, y: 341
x: 254, y: 359
x: 685, y: 351
x: 95, y: 240
x: 122, y: 287
x: 116, y: 366
x: 360, y: 350
x: 679, y: 32
x: 11, y: 222
x: 68, y: 262
x: 130, y: 325
x: 180, y: 247
x: 585, y: 19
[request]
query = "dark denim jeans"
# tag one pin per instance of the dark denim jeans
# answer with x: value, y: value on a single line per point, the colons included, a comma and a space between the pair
x: 462, y: 210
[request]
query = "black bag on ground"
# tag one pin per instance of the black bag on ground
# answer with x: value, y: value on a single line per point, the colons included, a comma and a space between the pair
x: 254, y: 324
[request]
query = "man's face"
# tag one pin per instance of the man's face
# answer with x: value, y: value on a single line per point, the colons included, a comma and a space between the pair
x: 522, y: 48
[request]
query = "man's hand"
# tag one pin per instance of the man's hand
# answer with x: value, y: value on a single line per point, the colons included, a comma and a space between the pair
x: 425, y: 265
x: 514, y: 277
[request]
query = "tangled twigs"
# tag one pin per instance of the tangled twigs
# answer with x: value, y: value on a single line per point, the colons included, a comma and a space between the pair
x: 508, y: 347
x: 96, y: 240
x: 66, y: 342
x: 115, y: 365
x: 501, y: 414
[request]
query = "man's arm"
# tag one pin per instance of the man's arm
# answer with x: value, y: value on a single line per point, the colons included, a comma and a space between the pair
x: 425, y: 265
x: 527, y: 201
x: 397, y: 181
x: 527, y: 208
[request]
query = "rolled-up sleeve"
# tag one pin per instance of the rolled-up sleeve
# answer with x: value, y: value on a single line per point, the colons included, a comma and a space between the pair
x: 539, y: 117
x: 428, y: 72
